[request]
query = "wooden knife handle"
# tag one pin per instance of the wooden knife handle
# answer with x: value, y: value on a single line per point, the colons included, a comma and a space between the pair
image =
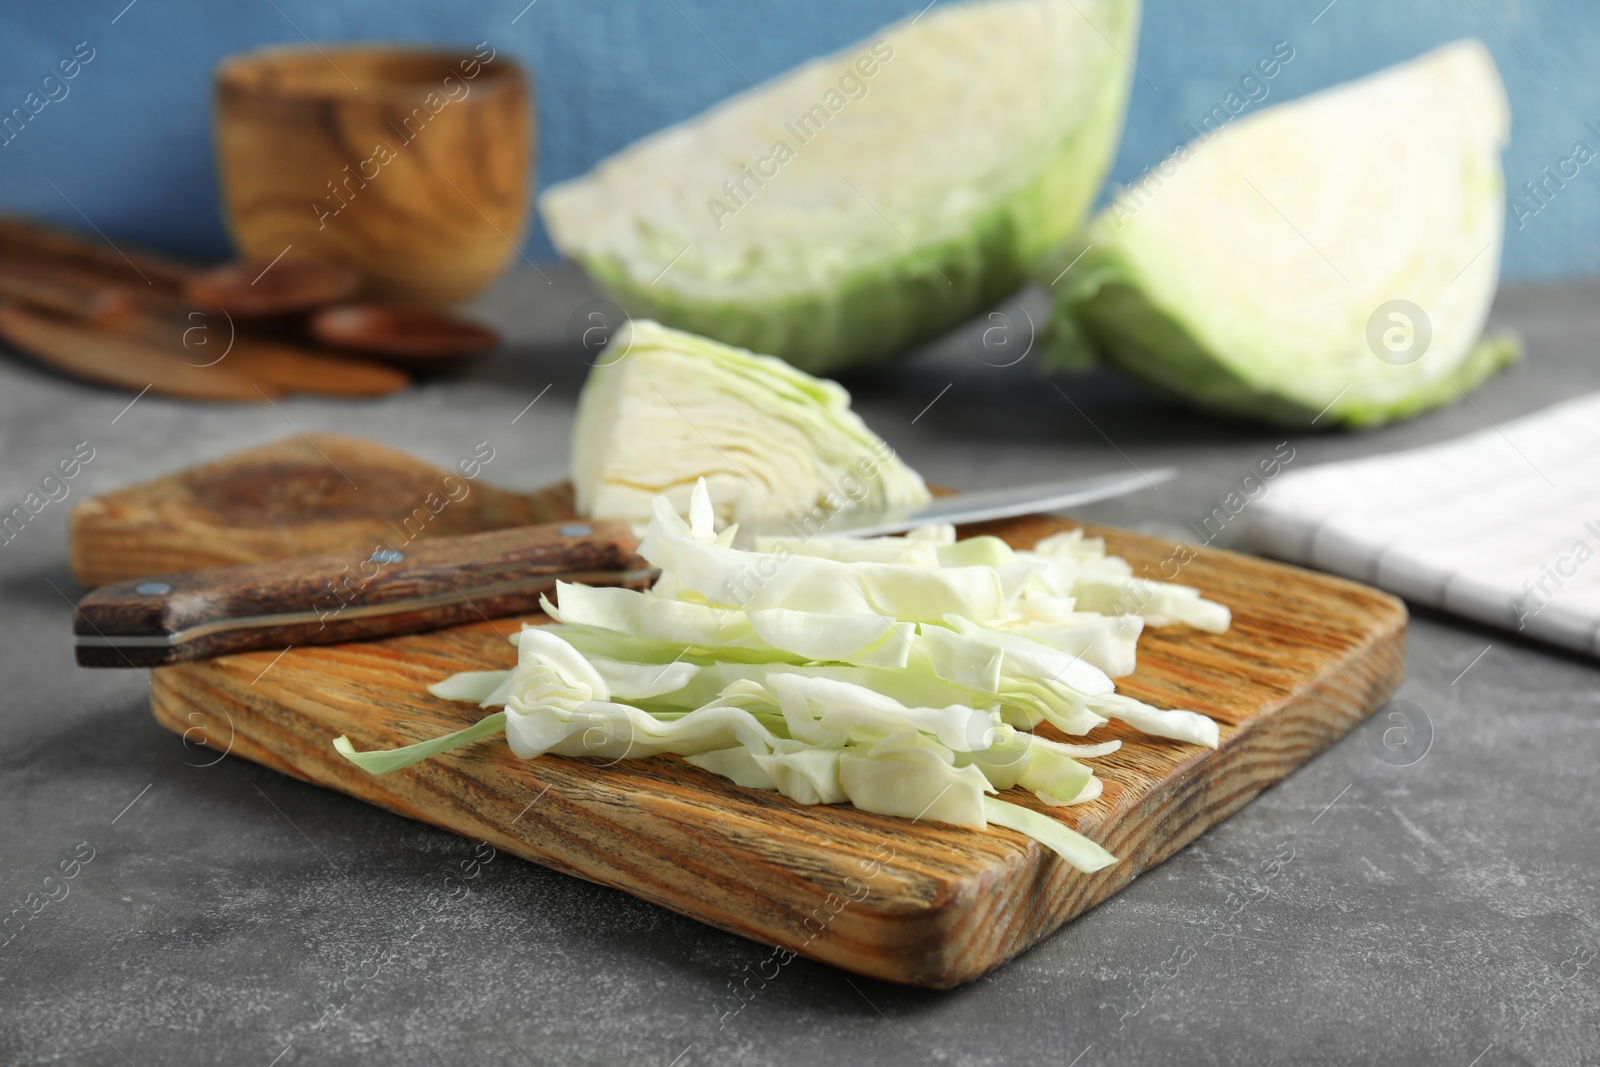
x: 317, y: 600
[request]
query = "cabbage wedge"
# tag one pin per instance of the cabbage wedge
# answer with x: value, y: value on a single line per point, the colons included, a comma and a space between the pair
x: 663, y: 408
x: 869, y: 199
x: 1328, y: 260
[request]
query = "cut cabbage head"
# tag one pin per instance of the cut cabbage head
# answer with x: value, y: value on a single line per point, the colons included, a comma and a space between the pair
x: 663, y: 408
x: 868, y: 199
x: 1331, y: 256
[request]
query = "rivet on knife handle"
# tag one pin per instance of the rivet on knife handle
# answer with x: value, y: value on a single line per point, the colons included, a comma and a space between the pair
x: 319, y: 600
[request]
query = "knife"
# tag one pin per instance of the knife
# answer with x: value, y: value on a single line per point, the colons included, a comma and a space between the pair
x: 446, y: 581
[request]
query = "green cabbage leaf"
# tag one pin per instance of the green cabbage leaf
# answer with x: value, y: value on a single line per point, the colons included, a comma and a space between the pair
x: 869, y: 199
x: 1328, y: 260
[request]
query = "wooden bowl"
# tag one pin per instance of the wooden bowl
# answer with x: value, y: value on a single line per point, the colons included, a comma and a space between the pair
x: 411, y: 166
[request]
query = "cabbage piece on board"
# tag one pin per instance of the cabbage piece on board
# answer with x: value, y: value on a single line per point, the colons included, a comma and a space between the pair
x: 1257, y: 271
x: 663, y: 408
x: 869, y: 199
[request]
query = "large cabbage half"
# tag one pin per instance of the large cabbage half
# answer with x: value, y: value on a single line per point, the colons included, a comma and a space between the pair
x: 869, y: 199
x: 1276, y: 269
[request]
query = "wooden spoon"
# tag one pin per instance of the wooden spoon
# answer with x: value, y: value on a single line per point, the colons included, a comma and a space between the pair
x: 74, y: 296
x: 149, y: 351
x: 61, y: 287
x: 260, y: 290
x: 120, y: 359
x: 29, y: 240
x: 411, y: 336
x: 206, y: 339
x: 245, y: 289
x: 303, y: 370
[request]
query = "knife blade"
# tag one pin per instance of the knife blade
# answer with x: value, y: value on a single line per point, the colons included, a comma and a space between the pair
x: 446, y: 581
x: 983, y: 505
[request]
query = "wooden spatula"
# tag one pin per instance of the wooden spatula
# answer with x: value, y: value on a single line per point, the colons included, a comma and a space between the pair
x: 140, y: 350
x: 73, y: 294
x: 214, y: 340
x: 246, y: 289
x: 125, y: 360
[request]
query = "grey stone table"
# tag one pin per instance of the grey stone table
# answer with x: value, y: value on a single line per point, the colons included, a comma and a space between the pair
x: 1442, y: 912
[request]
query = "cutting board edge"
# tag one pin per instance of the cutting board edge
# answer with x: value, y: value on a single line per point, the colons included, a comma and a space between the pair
x: 1152, y: 813
x: 914, y: 925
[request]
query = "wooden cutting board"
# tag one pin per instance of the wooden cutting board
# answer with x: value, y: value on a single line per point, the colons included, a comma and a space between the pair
x: 301, y: 496
x: 1307, y: 658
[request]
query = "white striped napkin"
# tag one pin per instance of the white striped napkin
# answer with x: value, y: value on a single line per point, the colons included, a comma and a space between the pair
x: 1502, y: 526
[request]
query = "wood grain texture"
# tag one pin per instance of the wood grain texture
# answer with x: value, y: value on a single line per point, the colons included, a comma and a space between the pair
x: 74, y: 261
x: 125, y: 360
x: 143, y: 323
x: 153, y: 278
x: 194, y: 358
x: 338, y: 597
x: 410, y: 166
x: 300, y: 496
x: 63, y: 292
x: 276, y: 364
x: 411, y: 337
x: 1307, y: 658
x: 265, y: 290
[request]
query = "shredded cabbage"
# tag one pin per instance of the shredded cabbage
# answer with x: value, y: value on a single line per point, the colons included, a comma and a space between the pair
x: 903, y: 675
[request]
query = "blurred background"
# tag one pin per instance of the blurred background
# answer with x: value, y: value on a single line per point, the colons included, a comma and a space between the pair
x: 130, y: 147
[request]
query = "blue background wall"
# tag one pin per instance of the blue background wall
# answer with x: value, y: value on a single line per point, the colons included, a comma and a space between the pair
x: 130, y: 146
